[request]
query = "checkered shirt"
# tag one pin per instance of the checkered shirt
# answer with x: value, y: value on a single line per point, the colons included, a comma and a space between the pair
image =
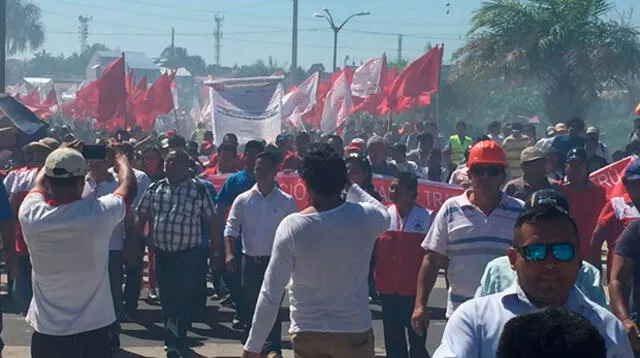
x: 175, y: 214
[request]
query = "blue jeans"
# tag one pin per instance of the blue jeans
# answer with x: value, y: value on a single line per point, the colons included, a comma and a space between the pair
x: 178, y: 280
x: 253, y: 270
x: 22, y: 289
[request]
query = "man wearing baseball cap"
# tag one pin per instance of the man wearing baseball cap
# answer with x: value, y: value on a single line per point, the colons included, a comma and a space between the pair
x: 68, y: 239
x: 616, y: 215
x: 585, y: 198
x: 468, y: 231
x: 534, y: 164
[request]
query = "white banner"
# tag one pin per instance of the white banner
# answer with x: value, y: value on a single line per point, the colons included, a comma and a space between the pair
x: 250, y: 108
x: 366, y: 78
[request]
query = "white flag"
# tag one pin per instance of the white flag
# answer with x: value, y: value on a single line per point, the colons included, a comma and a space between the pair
x: 301, y: 100
x: 196, y: 112
x: 366, y: 78
x: 337, y: 105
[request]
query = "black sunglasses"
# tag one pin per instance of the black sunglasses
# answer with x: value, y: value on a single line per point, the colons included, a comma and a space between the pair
x: 564, y: 252
x: 491, y: 170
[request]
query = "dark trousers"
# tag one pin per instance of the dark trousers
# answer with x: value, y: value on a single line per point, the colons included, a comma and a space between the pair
x: 233, y: 281
x: 22, y: 290
x: 396, y: 322
x: 132, y: 287
x: 253, y: 269
x: 200, y: 296
x: 177, y: 275
x: 92, y: 344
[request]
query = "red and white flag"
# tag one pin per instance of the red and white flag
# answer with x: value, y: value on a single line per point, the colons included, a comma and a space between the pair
x: 366, y: 78
x: 337, y: 105
x: 300, y: 101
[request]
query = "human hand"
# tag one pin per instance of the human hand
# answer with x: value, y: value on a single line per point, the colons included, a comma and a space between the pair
x: 247, y: 354
x: 230, y: 262
x: 632, y: 330
x: 420, y: 320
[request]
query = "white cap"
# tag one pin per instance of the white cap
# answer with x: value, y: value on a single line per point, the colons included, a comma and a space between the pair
x: 65, y: 163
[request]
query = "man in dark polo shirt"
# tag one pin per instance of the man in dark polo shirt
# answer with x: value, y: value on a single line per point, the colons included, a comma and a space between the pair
x: 534, y: 175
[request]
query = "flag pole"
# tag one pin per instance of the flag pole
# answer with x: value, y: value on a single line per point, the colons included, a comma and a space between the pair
x: 439, y: 82
x: 126, y: 100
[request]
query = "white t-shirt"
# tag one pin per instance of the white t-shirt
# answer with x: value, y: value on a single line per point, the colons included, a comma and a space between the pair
x: 69, y: 246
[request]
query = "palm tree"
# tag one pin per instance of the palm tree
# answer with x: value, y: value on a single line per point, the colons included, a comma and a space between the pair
x: 568, y: 46
x: 24, y: 26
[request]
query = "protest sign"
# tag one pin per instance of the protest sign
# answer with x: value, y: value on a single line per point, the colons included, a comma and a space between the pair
x: 431, y: 195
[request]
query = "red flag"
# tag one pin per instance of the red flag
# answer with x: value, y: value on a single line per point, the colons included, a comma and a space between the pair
x: 158, y: 101
x: 85, y: 104
x: 337, y: 106
x: 32, y: 99
x: 112, y: 96
x: 49, y: 106
x: 415, y: 84
x: 314, y: 117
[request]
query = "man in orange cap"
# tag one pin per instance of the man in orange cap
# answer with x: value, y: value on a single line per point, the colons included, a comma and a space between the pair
x: 468, y: 231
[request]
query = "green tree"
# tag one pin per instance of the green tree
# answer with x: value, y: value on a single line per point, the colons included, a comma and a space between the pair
x: 569, y: 47
x: 24, y: 26
x: 181, y: 58
x: 258, y: 69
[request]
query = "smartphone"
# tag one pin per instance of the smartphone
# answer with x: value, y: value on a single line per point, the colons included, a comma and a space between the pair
x: 94, y: 152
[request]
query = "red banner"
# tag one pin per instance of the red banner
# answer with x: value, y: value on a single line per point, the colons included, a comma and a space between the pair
x: 610, y: 177
x: 431, y: 195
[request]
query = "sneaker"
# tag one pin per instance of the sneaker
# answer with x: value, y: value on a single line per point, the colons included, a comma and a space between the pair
x: 226, y: 301
x: 274, y: 355
x: 153, y: 297
x: 236, y: 324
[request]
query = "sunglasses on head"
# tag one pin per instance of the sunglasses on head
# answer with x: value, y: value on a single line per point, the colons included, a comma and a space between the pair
x: 564, y: 252
x: 491, y: 170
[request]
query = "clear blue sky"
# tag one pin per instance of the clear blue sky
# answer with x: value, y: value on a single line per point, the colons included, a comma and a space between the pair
x: 257, y: 29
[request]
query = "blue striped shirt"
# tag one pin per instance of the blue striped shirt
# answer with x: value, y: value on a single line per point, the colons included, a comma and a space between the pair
x: 470, y: 239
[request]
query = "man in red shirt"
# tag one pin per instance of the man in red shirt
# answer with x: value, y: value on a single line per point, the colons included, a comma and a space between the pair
x: 617, y: 213
x: 226, y: 161
x: 397, y: 260
x: 231, y: 165
x: 585, y: 199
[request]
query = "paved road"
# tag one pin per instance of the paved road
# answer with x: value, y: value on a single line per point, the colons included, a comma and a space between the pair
x: 213, y: 339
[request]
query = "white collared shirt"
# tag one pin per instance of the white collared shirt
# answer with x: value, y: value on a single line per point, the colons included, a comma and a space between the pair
x: 256, y: 217
x: 475, y: 328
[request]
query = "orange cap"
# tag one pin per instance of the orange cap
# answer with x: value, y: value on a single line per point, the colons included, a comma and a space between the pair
x: 486, y: 152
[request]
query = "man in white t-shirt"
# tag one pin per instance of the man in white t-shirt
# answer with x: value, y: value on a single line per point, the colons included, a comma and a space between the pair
x: 68, y: 239
x: 324, y: 251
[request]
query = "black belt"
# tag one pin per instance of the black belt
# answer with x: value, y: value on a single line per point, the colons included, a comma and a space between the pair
x: 258, y: 259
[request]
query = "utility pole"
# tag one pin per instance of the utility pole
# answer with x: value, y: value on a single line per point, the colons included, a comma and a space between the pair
x: 83, y: 32
x: 336, y: 28
x: 3, y: 44
x: 173, y: 48
x: 217, y: 34
x: 294, y: 40
x: 399, y: 48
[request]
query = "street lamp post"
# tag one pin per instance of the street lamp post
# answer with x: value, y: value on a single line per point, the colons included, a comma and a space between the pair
x: 336, y: 29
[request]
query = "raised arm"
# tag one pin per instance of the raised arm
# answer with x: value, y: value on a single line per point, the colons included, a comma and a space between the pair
x: 126, y: 178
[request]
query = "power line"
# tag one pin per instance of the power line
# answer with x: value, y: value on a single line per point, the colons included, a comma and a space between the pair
x: 194, y: 34
x: 248, y: 6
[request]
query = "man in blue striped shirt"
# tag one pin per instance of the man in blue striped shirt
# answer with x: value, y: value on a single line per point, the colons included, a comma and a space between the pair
x: 468, y: 231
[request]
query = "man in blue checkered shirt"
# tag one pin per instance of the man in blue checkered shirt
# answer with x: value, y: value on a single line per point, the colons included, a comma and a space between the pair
x: 175, y: 208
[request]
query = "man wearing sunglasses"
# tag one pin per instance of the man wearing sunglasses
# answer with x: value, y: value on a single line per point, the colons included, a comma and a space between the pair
x: 545, y: 256
x: 468, y: 231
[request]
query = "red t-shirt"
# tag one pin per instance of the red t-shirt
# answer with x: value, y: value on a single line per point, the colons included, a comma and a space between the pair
x: 238, y: 163
x: 291, y: 161
x: 585, y: 207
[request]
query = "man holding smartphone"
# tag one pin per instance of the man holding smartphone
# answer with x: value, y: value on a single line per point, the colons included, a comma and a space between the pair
x: 68, y: 237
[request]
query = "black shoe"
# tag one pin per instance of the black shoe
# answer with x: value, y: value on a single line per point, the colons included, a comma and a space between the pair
x: 236, y: 324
